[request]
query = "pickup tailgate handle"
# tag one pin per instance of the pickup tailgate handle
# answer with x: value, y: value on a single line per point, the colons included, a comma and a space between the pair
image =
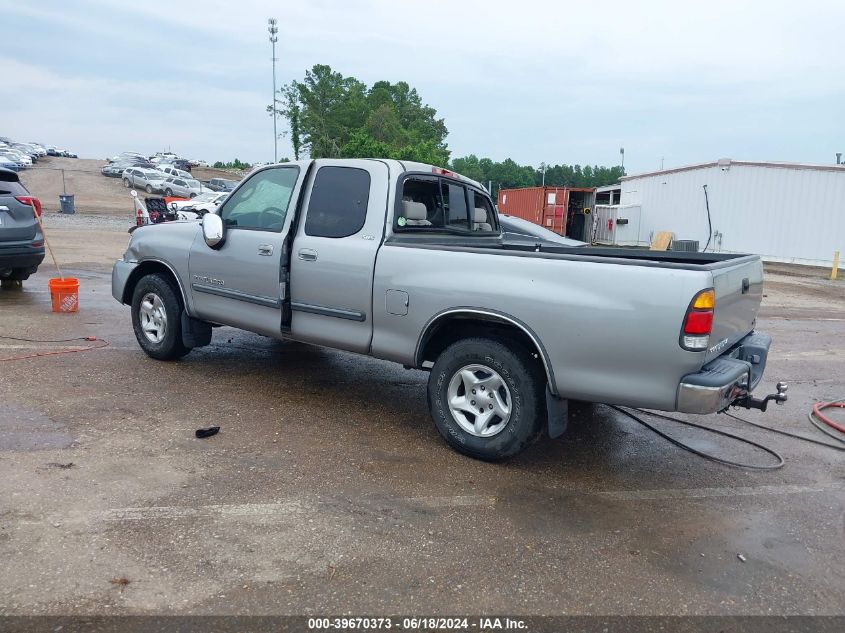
x: 307, y: 254
x: 746, y: 285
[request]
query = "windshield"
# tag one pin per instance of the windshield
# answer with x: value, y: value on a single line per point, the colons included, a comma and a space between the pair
x: 205, y: 197
x: 193, y: 183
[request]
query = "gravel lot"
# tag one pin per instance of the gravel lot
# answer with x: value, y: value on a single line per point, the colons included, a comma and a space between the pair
x: 328, y: 489
x: 94, y: 193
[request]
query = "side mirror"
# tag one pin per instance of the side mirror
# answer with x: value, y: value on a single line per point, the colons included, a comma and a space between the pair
x: 212, y: 230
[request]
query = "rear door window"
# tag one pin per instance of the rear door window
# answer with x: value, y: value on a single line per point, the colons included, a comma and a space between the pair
x: 338, y: 205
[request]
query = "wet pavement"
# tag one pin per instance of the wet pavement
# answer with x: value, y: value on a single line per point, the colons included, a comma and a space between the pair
x: 328, y: 489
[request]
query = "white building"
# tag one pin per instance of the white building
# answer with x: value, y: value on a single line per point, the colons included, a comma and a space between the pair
x: 785, y: 212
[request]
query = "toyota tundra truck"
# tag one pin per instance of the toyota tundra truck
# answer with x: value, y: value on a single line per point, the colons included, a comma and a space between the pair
x: 408, y: 262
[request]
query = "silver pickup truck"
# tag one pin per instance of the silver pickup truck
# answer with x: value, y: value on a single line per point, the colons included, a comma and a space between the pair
x: 408, y: 262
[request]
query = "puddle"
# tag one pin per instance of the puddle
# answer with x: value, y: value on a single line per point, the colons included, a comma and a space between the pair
x: 27, y: 430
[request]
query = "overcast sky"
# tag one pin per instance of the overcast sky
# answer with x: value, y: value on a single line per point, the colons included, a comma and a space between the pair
x: 532, y: 80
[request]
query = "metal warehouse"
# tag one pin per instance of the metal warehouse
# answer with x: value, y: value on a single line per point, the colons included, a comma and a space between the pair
x: 785, y: 212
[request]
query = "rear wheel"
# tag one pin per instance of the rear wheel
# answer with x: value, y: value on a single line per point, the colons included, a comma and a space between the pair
x: 487, y: 398
x: 157, y: 318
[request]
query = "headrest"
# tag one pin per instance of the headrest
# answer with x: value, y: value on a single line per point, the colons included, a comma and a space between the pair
x: 414, y: 210
x: 480, y: 215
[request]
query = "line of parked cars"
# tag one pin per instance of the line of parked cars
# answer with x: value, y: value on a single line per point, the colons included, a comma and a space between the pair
x: 16, y: 155
x: 163, y: 173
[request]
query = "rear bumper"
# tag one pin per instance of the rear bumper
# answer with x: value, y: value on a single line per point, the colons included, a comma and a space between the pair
x: 725, y: 379
x: 21, y: 257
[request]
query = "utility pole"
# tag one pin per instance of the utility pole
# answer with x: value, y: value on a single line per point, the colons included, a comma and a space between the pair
x: 543, y: 165
x: 622, y: 153
x: 273, y: 30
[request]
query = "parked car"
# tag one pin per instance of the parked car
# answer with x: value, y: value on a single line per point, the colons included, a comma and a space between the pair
x: 7, y: 163
x: 221, y: 184
x: 171, y: 171
x: 182, y: 187
x: 203, y: 203
x: 517, y: 229
x: 116, y: 169
x: 149, y: 180
x: 305, y: 251
x: 21, y: 240
x: 181, y: 163
x: 19, y: 158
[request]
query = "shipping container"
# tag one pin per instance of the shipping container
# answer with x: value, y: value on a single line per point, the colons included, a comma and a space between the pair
x: 564, y: 210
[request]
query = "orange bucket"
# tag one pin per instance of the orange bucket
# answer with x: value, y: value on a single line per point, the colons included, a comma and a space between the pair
x: 65, y: 294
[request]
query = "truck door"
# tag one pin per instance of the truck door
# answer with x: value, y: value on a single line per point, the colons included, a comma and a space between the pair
x: 334, y: 254
x: 242, y: 283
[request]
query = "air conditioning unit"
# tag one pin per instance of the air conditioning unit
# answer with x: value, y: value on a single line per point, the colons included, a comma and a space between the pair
x: 687, y: 246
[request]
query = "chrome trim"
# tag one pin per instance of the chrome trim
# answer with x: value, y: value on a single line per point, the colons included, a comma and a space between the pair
x: 547, y: 365
x: 227, y: 293
x: 340, y: 313
x: 697, y: 399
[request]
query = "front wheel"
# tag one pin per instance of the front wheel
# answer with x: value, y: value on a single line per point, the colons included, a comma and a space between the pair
x: 168, y: 193
x: 487, y: 398
x: 156, y: 318
x: 149, y: 188
x: 126, y: 183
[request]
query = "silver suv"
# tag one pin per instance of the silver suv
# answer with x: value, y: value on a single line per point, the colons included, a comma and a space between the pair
x: 21, y: 240
x: 149, y: 180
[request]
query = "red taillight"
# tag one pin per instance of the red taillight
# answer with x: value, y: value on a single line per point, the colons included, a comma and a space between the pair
x: 698, y: 322
x: 32, y: 201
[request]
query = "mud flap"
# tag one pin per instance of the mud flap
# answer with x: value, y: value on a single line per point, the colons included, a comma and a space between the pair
x: 195, y: 333
x: 557, y: 414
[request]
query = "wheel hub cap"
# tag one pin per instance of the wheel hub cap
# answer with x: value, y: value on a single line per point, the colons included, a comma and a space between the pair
x: 479, y: 400
x: 153, y: 318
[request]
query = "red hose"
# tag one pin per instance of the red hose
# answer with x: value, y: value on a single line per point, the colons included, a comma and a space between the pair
x: 817, y: 411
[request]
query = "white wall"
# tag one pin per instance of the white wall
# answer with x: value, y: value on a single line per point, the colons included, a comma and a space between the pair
x: 784, y: 214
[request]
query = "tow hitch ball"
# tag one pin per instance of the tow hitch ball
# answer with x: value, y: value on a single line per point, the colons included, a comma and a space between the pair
x: 750, y: 402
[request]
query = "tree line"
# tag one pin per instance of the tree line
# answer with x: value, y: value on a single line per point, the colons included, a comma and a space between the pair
x: 330, y: 115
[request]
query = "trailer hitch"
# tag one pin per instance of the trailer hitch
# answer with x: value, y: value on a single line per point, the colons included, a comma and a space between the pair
x: 750, y: 402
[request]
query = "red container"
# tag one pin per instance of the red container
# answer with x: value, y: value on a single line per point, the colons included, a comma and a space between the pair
x: 546, y: 206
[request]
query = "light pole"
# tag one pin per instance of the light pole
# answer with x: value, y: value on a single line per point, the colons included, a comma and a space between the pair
x: 622, y: 153
x: 273, y: 30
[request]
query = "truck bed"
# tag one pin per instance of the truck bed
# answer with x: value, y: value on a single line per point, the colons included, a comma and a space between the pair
x: 541, y: 249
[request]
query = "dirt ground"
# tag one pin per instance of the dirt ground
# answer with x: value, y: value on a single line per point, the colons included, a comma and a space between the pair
x: 94, y: 193
x: 328, y: 489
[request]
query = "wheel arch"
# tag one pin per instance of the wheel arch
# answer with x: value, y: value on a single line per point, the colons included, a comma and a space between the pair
x: 150, y: 267
x: 454, y: 324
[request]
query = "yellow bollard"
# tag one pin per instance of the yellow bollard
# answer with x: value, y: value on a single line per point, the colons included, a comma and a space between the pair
x: 834, y: 271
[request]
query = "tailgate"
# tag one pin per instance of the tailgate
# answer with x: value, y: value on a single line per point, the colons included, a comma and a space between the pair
x: 739, y: 290
x: 17, y: 222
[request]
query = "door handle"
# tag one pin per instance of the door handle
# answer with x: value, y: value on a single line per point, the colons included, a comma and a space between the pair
x: 265, y: 249
x: 307, y: 254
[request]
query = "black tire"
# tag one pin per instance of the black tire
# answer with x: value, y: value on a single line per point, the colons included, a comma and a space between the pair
x: 192, y: 196
x: 171, y: 346
x: 126, y: 183
x: 149, y: 188
x: 168, y: 193
x: 525, y: 382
